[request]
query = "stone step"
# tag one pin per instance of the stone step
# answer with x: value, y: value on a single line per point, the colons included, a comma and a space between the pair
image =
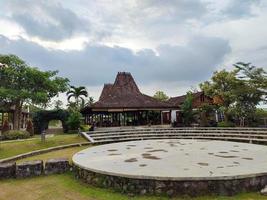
x: 179, y: 134
x: 182, y: 137
x: 183, y: 128
x: 177, y: 131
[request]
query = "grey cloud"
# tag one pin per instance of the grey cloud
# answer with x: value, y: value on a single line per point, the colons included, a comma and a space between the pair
x: 47, y: 20
x: 174, y: 9
x: 239, y: 8
x: 98, y: 64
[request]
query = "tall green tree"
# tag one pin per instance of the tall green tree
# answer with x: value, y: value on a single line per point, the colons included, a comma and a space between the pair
x: 187, y: 109
x: 252, y: 90
x: 160, y: 95
x: 22, y: 84
x: 78, y: 93
x: 239, y: 91
x: 222, y: 85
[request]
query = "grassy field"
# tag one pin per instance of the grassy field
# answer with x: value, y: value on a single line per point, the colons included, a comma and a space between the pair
x: 14, y: 148
x: 59, y: 187
x: 64, y: 153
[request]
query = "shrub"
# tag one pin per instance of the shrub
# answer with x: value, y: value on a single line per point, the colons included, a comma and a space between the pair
x: 30, y: 127
x: 226, y: 124
x: 74, y: 120
x: 15, y: 134
x: 5, y: 127
x: 85, y: 127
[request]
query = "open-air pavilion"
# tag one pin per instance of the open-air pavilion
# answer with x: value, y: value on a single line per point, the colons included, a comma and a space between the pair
x: 122, y: 104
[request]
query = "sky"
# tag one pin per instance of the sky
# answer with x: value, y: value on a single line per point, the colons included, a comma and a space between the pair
x: 170, y: 45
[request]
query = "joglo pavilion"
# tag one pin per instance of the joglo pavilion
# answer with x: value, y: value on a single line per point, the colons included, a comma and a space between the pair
x: 123, y: 104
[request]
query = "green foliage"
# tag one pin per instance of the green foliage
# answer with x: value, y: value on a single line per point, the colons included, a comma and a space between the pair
x: 77, y: 93
x: 85, y: 127
x: 88, y: 102
x: 74, y: 120
x: 58, y: 104
x: 160, y: 95
x: 225, y: 124
x: 187, y: 109
x: 239, y: 91
x: 22, y: 84
x: 41, y: 119
x: 15, y: 134
x: 206, y: 112
x: 5, y: 126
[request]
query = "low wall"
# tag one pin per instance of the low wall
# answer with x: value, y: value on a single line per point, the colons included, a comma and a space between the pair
x: 34, y: 168
x: 170, y: 187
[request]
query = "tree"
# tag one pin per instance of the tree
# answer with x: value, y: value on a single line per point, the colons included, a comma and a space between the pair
x: 89, y: 101
x: 58, y: 104
x: 238, y: 92
x: 222, y: 87
x: 187, y: 109
x: 22, y: 84
x: 252, y: 90
x: 78, y: 93
x: 160, y: 95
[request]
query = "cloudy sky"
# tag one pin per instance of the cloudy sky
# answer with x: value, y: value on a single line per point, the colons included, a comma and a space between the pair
x: 169, y: 45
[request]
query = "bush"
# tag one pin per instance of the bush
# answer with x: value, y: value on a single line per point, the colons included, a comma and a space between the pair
x: 5, y: 127
x: 226, y: 124
x: 15, y: 134
x: 85, y: 127
x: 74, y: 120
x: 30, y: 128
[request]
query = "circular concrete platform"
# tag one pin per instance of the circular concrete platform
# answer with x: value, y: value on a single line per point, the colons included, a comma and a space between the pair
x: 204, y: 162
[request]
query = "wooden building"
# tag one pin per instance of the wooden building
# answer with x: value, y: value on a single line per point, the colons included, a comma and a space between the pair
x: 7, y: 115
x: 199, y: 99
x: 122, y: 104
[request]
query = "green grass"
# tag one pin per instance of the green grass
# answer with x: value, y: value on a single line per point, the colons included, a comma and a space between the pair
x: 59, y: 187
x: 14, y: 148
x: 63, y: 153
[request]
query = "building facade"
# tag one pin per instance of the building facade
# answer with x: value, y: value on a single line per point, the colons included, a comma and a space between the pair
x: 122, y: 104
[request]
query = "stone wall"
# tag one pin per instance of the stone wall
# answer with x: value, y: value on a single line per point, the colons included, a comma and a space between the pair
x: 34, y: 168
x: 171, y: 188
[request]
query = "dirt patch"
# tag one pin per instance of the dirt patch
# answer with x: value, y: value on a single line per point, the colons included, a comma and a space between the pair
x: 114, y: 154
x: 131, y: 160
x: 203, y: 164
x: 148, y: 148
x: 234, y: 151
x: 142, y: 165
x: 223, y: 156
x: 113, y: 150
x: 158, y: 150
x: 247, y: 158
x: 146, y: 156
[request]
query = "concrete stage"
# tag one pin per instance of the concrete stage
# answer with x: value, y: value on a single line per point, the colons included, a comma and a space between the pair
x: 175, y: 159
x: 208, y: 162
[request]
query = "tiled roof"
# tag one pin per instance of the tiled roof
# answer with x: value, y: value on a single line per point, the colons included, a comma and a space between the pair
x: 124, y: 93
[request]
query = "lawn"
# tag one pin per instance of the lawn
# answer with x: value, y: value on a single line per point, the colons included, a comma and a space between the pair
x: 63, y: 153
x: 18, y: 147
x: 59, y: 187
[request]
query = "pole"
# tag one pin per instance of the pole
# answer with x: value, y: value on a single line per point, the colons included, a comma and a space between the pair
x: 43, y: 136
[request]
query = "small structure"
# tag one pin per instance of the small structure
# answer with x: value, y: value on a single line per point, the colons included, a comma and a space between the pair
x: 122, y: 104
x: 8, y: 115
x: 199, y: 99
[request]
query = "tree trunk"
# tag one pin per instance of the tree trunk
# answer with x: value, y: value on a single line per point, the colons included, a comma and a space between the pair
x: 17, y: 116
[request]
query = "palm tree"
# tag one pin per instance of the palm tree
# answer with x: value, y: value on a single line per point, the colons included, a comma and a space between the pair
x: 77, y: 93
